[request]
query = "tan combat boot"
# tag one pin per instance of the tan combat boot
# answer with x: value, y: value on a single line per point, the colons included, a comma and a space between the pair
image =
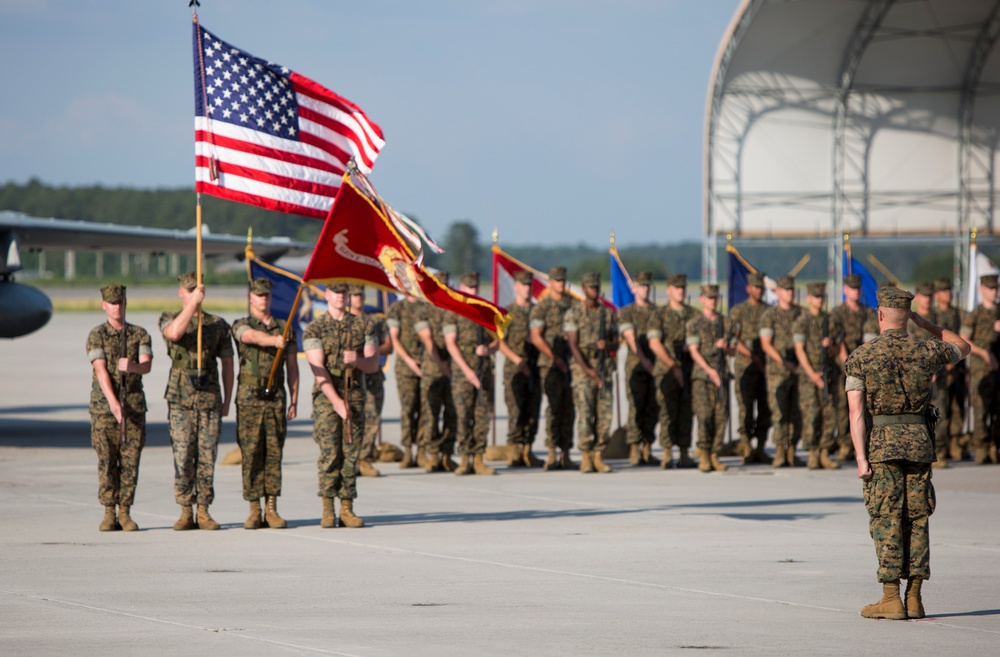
x: 465, y: 467
x: 826, y: 462
x: 760, y: 454
x: 253, y: 520
x: 667, y: 462
x: 433, y: 463
x: 447, y: 463
x: 992, y: 453
x: 647, y: 455
x: 704, y: 460
x: 274, y: 521
x: 205, y: 521
x: 422, y: 457
x: 186, y: 521
x: 551, y: 461
x: 914, y: 604
x: 813, y: 462
x: 347, y: 517
x: 685, y: 461
x: 844, y: 454
x: 586, y: 462
x: 110, y: 522
x: 793, y: 461
x: 717, y: 465
x: 634, y: 454
x: 329, y: 519
x: 479, y: 466
x: 954, y: 449
x: 890, y: 606
x: 407, y: 461
x: 780, y: 452
x: 942, y: 456
x: 599, y: 463
x: 366, y: 469
x: 981, y: 455
x: 125, y: 519
x: 529, y: 457
x: 515, y: 456
x: 565, y: 462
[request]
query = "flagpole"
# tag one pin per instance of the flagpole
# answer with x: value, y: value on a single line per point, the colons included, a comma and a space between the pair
x: 284, y: 336
x: 248, y: 256
x: 197, y: 225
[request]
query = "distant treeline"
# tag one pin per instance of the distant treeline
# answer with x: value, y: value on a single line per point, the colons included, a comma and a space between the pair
x: 465, y: 248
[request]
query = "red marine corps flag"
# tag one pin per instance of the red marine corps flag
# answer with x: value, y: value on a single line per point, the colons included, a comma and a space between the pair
x: 367, y: 242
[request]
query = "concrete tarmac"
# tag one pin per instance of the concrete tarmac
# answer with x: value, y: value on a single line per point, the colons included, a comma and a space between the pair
x: 753, y: 561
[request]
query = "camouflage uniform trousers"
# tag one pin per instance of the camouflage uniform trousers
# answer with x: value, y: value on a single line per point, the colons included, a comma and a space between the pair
x: 409, y: 408
x: 816, y: 411
x: 523, y: 395
x: 782, y: 398
x: 643, y: 411
x: 900, y: 500
x: 436, y: 432
x: 751, y: 390
x: 473, y: 409
x: 841, y: 415
x: 117, y: 464
x: 593, y: 411
x: 983, y: 400
x: 374, y: 400
x: 559, y: 415
x: 337, y: 465
x: 260, y: 432
x: 194, y: 436
x: 676, y: 413
x: 950, y: 394
x: 709, y: 406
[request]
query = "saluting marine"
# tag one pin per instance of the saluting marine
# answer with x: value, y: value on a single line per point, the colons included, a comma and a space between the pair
x: 118, y: 450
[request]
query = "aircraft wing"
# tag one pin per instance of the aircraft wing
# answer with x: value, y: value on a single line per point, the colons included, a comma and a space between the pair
x: 67, y: 234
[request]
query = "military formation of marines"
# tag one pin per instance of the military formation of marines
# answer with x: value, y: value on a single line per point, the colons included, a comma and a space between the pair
x: 790, y: 365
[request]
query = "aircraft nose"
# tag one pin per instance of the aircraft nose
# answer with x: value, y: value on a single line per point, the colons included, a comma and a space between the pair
x: 23, y: 309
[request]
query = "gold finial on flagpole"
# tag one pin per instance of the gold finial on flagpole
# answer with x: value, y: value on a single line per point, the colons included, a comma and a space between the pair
x: 248, y: 252
x: 496, y: 235
x: 729, y: 238
x: 973, y: 235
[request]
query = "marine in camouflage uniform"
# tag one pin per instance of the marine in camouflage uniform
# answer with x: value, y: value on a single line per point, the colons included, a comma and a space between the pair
x: 923, y: 293
x: 859, y: 326
x: 196, y: 405
x: 522, y: 387
x: 709, y: 339
x: 437, y: 428
x: 404, y: 318
x: 951, y: 385
x: 339, y: 347
x: 776, y: 337
x: 374, y: 384
x: 751, y: 377
x: 889, y: 389
x: 117, y: 461
x: 591, y: 330
x: 640, y: 386
x: 813, y: 334
x: 981, y: 327
x: 546, y: 325
x: 471, y: 349
x: 672, y: 372
x: 262, y: 410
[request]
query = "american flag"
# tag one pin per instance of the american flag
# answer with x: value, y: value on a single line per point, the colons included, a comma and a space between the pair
x: 267, y: 136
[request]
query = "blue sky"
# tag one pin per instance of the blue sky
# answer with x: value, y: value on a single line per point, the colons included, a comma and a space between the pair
x: 555, y: 121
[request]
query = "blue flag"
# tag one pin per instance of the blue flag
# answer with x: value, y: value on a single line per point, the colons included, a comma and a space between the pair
x: 869, y: 288
x: 621, y: 283
x: 283, y: 291
x: 738, y: 271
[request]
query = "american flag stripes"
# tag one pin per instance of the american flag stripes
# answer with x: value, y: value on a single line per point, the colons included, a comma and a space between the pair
x: 267, y: 136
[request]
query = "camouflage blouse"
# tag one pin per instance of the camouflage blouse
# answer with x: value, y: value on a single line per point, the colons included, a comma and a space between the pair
x: 978, y: 327
x: 256, y: 361
x: 436, y: 319
x: 859, y: 325
x: 703, y: 332
x: 809, y: 331
x: 408, y: 317
x: 468, y: 336
x: 518, y: 334
x: 216, y: 343
x: 636, y: 318
x: 334, y: 337
x: 104, y: 343
x: 590, y: 326
x: 670, y: 326
x: 548, y: 315
x: 777, y: 323
x: 746, y: 318
x: 894, y: 372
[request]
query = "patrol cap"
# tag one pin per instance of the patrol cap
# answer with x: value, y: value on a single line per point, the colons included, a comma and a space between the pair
x: 989, y: 280
x: 188, y: 280
x: 853, y: 281
x: 942, y: 284
x: 755, y: 280
x: 470, y: 279
x: 786, y: 283
x: 558, y: 273
x: 339, y: 288
x: 817, y: 289
x: 524, y: 276
x: 892, y: 297
x: 591, y: 279
x: 925, y: 289
x: 643, y: 278
x: 677, y: 280
x: 113, y: 293
x: 442, y: 276
x: 356, y: 290
x: 710, y: 290
x: 260, y: 286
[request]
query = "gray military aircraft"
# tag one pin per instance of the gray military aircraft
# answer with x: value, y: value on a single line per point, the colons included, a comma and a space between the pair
x: 24, y: 309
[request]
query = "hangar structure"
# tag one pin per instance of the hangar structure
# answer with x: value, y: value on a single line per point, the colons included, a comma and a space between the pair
x: 873, y: 119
